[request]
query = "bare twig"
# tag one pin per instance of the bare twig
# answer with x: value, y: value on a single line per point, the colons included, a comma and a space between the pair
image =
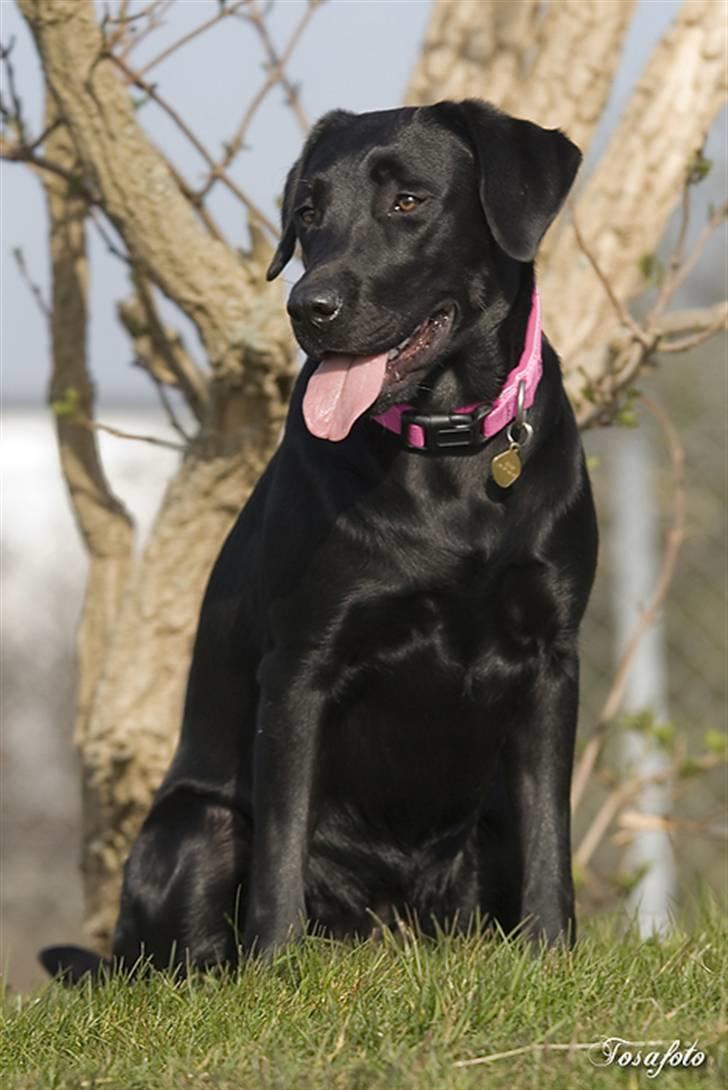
x: 622, y: 794
x: 44, y: 135
x: 631, y: 356
x: 222, y: 13
x: 644, y: 341
x: 23, y: 153
x: 635, y: 821
x: 674, y: 540
x: 154, y: 14
x: 676, y: 258
x: 278, y: 63
x: 152, y: 92
x: 235, y: 143
x: 709, y: 330
x: 15, y: 114
x: 106, y: 238
x: 95, y: 425
x: 160, y: 350
x: 33, y: 287
x: 718, y: 216
x: 625, y: 317
x: 169, y: 410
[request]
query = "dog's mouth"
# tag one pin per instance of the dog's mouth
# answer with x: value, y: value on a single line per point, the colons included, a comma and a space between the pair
x: 344, y: 386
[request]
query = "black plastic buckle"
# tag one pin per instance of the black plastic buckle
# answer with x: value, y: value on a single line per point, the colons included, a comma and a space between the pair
x: 446, y: 431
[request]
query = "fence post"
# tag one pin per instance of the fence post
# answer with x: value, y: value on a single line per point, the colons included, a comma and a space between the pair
x: 636, y: 554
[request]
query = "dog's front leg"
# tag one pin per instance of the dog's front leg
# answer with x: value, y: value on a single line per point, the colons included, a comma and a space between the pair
x: 539, y: 757
x: 284, y: 782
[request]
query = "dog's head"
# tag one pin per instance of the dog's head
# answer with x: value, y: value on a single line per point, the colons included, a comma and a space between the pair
x: 414, y: 225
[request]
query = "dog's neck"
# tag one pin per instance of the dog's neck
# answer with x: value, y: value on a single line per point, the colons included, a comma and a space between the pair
x: 463, y: 410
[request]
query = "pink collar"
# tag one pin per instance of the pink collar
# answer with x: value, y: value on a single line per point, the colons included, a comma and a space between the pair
x: 471, y: 425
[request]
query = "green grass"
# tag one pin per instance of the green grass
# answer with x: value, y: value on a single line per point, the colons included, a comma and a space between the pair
x: 386, y: 1017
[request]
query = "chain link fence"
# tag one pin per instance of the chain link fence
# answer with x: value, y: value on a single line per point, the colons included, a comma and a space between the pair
x: 692, y: 391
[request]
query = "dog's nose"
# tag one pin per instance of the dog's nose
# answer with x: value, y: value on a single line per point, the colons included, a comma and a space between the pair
x: 316, y: 306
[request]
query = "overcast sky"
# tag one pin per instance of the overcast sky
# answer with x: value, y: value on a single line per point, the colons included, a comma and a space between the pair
x: 356, y: 54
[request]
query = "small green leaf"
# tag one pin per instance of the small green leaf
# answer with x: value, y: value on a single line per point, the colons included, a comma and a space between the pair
x: 627, y: 414
x: 651, y: 268
x: 643, y: 722
x: 68, y: 405
x: 647, y: 265
x: 716, y: 741
x: 627, y: 418
x: 698, y: 168
x: 589, y: 393
x: 664, y: 734
x: 625, y: 881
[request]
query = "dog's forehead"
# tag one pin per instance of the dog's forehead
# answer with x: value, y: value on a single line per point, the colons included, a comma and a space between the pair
x: 407, y: 141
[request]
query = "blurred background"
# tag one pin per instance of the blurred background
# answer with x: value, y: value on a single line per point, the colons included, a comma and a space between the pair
x: 356, y: 54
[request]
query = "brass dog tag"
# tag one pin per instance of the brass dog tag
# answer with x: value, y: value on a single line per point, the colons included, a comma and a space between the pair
x: 506, y: 467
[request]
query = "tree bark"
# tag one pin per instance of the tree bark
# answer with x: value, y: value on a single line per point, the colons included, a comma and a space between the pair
x: 473, y: 49
x: 552, y: 63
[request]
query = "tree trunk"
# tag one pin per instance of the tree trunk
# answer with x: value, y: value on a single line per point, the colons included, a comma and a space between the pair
x: 139, y: 618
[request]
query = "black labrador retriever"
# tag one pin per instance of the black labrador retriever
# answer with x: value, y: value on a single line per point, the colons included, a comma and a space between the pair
x: 382, y: 704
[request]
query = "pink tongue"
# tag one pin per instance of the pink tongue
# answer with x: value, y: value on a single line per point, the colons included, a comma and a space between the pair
x: 339, y: 391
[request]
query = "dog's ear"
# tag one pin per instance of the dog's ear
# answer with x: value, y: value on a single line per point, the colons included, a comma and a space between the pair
x: 525, y: 173
x: 287, y: 245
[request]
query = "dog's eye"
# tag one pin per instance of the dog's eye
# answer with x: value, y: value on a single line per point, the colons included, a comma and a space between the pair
x: 406, y: 202
x: 306, y: 215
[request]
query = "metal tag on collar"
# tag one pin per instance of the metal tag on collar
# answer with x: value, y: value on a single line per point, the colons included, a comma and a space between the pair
x: 506, y: 467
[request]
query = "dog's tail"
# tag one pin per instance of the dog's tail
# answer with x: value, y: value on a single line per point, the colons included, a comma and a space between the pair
x: 70, y: 964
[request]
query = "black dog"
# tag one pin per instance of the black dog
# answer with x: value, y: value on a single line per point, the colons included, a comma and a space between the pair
x: 382, y: 705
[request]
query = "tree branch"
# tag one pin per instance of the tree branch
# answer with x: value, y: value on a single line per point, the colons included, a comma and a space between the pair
x: 643, y: 168
x: 32, y: 286
x: 105, y: 526
x: 25, y: 153
x: 278, y: 63
x: 237, y: 315
x: 160, y: 351
x: 153, y: 13
x: 150, y: 90
x: 235, y: 143
x: 221, y: 13
x: 121, y: 433
x: 620, y: 796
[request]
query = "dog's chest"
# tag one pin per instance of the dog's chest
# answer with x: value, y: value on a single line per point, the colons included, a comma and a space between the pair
x: 421, y: 687
x: 459, y: 639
